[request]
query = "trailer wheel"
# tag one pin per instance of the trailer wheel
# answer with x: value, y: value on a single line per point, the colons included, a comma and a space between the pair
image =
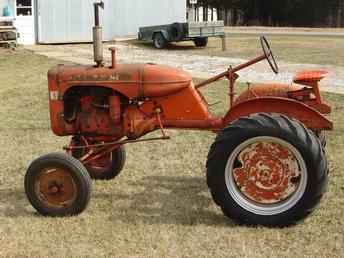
x: 177, y: 31
x: 105, y: 168
x: 159, y: 41
x: 267, y: 169
x: 201, y: 42
x: 57, y: 185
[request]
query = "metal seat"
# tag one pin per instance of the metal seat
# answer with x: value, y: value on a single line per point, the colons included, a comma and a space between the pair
x: 310, y: 76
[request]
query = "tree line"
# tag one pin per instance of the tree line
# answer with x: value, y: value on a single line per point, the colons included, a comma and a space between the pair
x: 310, y: 13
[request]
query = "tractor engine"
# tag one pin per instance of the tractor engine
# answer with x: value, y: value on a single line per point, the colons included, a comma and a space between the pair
x: 93, y: 112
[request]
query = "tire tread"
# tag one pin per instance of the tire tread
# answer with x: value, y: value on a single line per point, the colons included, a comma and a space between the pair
x: 281, y: 126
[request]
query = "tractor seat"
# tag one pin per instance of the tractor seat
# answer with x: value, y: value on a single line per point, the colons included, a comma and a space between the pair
x: 161, y: 80
x: 306, y: 77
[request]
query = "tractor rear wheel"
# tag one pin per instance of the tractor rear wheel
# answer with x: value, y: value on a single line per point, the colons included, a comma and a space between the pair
x: 106, y: 167
x: 267, y: 169
x: 322, y: 138
x: 57, y: 185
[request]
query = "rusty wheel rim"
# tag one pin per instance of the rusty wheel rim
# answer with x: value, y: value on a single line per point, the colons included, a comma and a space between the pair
x: 55, y: 187
x: 266, y: 175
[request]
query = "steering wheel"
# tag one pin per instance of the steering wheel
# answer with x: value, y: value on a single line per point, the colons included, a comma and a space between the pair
x: 268, y: 54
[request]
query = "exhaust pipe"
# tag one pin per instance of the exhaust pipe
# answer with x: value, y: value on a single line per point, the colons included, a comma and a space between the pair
x: 97, y: 36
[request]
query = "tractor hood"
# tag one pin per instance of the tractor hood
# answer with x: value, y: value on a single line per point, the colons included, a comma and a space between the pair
x: 131, y: 80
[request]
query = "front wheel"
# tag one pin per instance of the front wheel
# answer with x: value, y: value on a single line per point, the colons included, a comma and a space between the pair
x: 267, y: 169
x: 57, y: 185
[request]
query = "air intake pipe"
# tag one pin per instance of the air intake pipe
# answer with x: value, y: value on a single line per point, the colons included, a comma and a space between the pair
x: 97, y: 35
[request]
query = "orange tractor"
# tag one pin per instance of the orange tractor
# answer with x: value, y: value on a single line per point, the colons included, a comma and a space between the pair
x: 267, y: 165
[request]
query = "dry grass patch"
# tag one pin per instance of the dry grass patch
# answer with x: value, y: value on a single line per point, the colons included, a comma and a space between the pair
x: 158, y: 207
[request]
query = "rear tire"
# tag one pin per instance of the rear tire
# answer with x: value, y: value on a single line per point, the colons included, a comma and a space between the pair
x: 322, y: 138
x: 177, y: 31
x: 267, y: 169
x: 57, y: 185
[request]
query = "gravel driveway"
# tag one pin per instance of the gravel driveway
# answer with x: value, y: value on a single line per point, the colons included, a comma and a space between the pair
x: 198, y: 66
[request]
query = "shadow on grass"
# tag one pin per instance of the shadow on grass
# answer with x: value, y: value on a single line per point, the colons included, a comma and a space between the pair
x: 157, y: 200
x: 13, y: 203
x: 167, y: 200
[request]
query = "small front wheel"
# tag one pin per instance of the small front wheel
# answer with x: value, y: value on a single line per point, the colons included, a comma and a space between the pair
x: 57, y: 185
x: 267, y: 169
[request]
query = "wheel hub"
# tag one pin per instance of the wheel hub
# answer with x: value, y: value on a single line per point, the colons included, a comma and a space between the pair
x: 266, y: 173
x: 55, y: 187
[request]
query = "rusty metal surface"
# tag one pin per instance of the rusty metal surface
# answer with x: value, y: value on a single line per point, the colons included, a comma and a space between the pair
x: 266, y: 90
x: 302, y: 93
x: 55, y: 187
x: 303, y: 77
x: 125, y: 79
x: 141, y: 91
x: 291, y: 108
x: 267, y: 173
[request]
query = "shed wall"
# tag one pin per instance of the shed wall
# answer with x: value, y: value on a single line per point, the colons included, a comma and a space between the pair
x: 4, y: 3
x: 72, y: 21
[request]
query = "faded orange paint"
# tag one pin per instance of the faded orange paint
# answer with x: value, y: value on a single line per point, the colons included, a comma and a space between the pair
x: 306, y: 77
x: 184, y: 105
x: 149, y: 90
x: 134, y: 100
x: 302, y: 93
x: 289, y: 107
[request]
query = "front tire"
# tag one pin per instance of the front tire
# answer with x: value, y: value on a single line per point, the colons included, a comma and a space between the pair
x: 267, y: 169
x: 57, y: 185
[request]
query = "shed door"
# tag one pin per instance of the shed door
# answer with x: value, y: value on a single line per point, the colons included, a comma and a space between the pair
x: 25, y: 23
x: 62, y: 21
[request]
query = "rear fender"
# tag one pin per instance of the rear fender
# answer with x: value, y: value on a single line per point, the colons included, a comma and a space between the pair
x: 163, y: 32
x: 310, y: 117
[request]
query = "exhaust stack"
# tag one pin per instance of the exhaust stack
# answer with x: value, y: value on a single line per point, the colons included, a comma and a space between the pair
x: 97, y: 36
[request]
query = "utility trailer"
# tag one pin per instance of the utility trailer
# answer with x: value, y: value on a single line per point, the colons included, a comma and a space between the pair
x: 198, y: 32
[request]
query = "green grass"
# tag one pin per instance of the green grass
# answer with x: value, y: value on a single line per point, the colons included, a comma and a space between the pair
x: 159, y: 206
x: 295, y: 49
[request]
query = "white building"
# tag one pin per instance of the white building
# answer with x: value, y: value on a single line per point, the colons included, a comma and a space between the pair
x: 63, y: 21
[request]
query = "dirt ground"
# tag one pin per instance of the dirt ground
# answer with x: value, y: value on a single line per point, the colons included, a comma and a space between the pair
x: 199, y: 65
